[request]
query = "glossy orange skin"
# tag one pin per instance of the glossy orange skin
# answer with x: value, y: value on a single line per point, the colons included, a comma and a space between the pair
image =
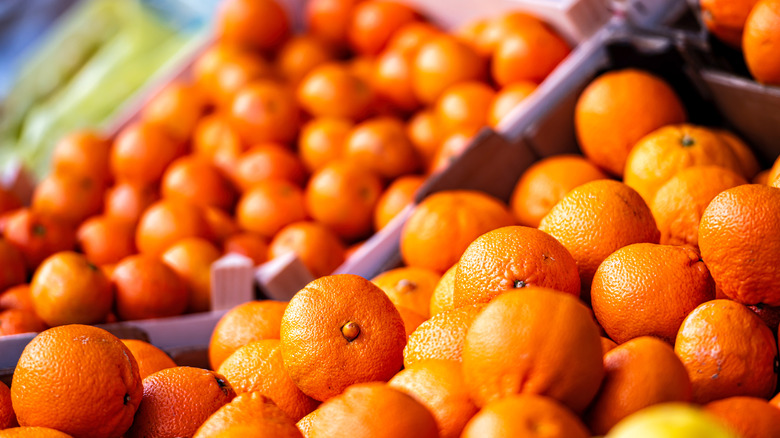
x: 269, y: 206
x: 318, y: 248
x: 314, y: 350
x: 441, y: 62
x: 141, y: 153
x: 252, y: 321
x: 464, y: 106
x: 425, y: 134
x: 373, y: 23
x: 748, y: 162
x: 106, y: 240
x: 177, y: 108
x: 735, y: 242
x: 525, y: 416
x: 37, y: 236
x: 16, y: 297
x: 166, y: 222
x: 639, y: 373
x: 558, y: 355
x: 412, y: 319
x: 335, y: 90
x: 512, y: 257
x: 257, y: 367
x: 265, y: 111
x: 16, y: 321
x: 381, y: 146
x: 33, y: 432
x: 507, y: 99
x: 222, y: 225
x: 248, y: 244
x: 216, y: 140
x: 7, y: 416
x: 329, y: 19
x: 88, y: 371
x: 441, y: 337
x: 726, y: 19
x: 321, y: 141
x: 392, y: 79
x: 224, y: 69
x: 252, y: 412
x: 268, y: 161
x: 487, y: 37
x: 409, y: 287
x: 259, y: 24
x: 528, y: 54
x: 82, y: 153
x: 728, y: 351
x: 191, y: 259
x: 399, y: 194
x: 196, y: 180
x: 607, y: 345
x: 170, y: 392
x: 150, y: 359
x: 147, y: 288
x: 68, y: 198
x: 127, y: 201
x: 302, y: 54
x: 12, y: 267
x: 450, y: 149
x: 761, y: 40
x: 747, y: 417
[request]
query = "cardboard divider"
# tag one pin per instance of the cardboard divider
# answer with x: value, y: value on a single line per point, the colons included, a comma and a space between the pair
x: 282, y: 277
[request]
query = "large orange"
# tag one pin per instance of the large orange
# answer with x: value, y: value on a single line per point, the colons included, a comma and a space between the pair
x: 149, y: 358
x: 265, y: 111
x: 194, y: 179
x: 321, y: 141
x: 32, y: 432
x: 127, y: 201
x: 166, y: 222
x: 761, y: 41
x: 217, y: 140
x: 371, y: 410
x: 398, y: 195
x: 37, y: 236
x: 69, y: 198
x: 106, y: 239
x: 529, y: 53
x: 330, y: 19
x: 7, y: 416
x: 16, y: 321
x: 12, y: 267
x: 679, y: 204
x: 338, y: 320
x: 141, y: 152
x: 259, y: 24
x: 748, y: 162
x: 619, y: 108
x: 439, y: 385
x: 300, y: 55
x: 173, y: 391
x: 191, y: 259
x: 513, y: 257
x: 315, y: 245
x: 269, y: 206
x: 737, y: 237
x: 268, y: 161
x: 334, y: 90
x: 252, y: 321
x: 78, y: 379
x: 248, y: 244
x: 557, y: 353
x: 257, y: 366
x: 507, y: 99
x: 409, y: 287
x: 728, y: 351
x: 640, y: 373
x: 68, y: 289
x: 374, y: 22
x: 251, y: 413
x: 748, y: 417
x: 726, y: 18
x: 441, y: 62
x: 177, y: 108
x: 145, y: 287
x: 381, y: 146
x: 442, y: 336
x: 647, y: 290
x: 83, y: 153
x: 464, y: 106
x: 546, y: 182
x: 445, y: 223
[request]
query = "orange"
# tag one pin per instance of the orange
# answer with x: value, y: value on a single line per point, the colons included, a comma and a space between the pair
x: 391, y: 78
x: 147, y: 288
x: 409, y: 287
x: 150, y: 359
x: 761, y: 40
x: 441, y: 62
x: 513, y: 257
x: 191, y: 260
x: 342, y: 196
x: 16, y: 297
x: 141, y: 153
x: 679, y: 204
x: 16, y: 321
x: 607, y: 344
x: 639, y: 373
x: 268, y: 161
x: 77, y: 379
x: 748, y: 163
x: 617, y: 109
x: 32, y: 432
x: 37, y: 236
x: 441, y: 300
x: 315, y: 245
x: 661, y: 154
x: 12, y: 268
x: 68, y: 289
x: 439, y: 385
x: 380, y: 145
x: 507, y: 99
x: 557, y: 353
x: 646, y: 289
x: 82, y: 153
x: 737, y: 243
x: 372, y: 410
x: 546, y: 182
x: 269, y: 206
x: 68, y: 198
x: 223, y: 69
x: 445, y: 223
x: 300, y: 55
x: 259, y: 24
x: 338, y: 320
x: 425, y: 134
x: 166, y: 222
x: 726, y: 18
x: 252, y: 321
x: 451, y: 148
x: 251, y: 245
x: 7, y: 416
x: 488, y: 36
x: 525, y: 416
x: 411, y: 319
x: 257, y: 366
x: 8, y: 201
x: 528, y: 53
x: 329, y: 19
x: 251, y: 411
x: 217, y: 140
x: 774, y: 172
x: 195, y: 180
x: 176, y: 108
x: 321, y: 141
x: 374, y: 22
x: 127, y: 201
x: 398, y: 195
x: 464, y: 106
x: 265, y: 111
x: 441, y: 337
x: 411, y: 36
x: 762, y: 177
x: 728, y: 351
x: 334, y: 90
x: 748, y: 417
x: 221, y: 224
x: 170, y: 392
x: 770, y: 315
x: 106, y: 239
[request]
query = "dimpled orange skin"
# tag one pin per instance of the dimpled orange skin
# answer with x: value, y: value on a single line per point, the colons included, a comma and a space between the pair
x: 409, y: 287
x: 728, y: 351
x: 150, y: 359
x: 513, y: 257
x: 761, y: 40
x: 442, y: 336
x: 439, y: 385
x: 525, y: 416
x: 738, y: 238
x: 441, y: 300
x: 251, y: 409
x: 7, y: 416
x: 318, y: 354
x: 258, y: 366
x: 748, y: 417
x: 172, y: 392
x: 638, y: 374
x: 557, y: 353
x: 146, y: 288
x: 362, y: 411
x: 78, y: 379
x: 596, y: 219
x: 647, y: 289
x: 32, y: 432
x: 445, y: 223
